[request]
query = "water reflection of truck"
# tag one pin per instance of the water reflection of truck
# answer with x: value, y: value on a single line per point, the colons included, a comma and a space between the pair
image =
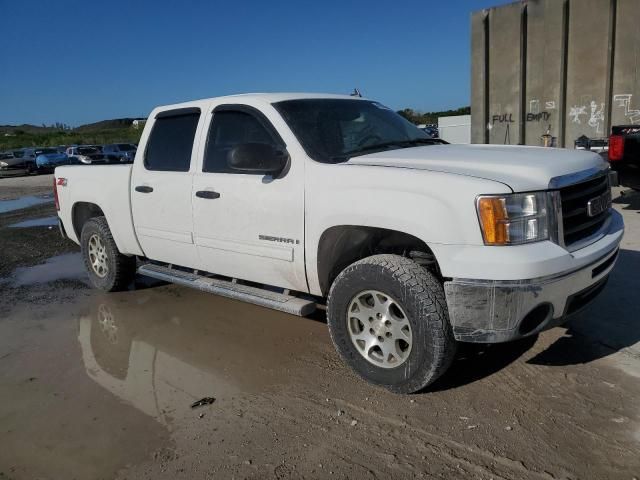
x: 154, y: 353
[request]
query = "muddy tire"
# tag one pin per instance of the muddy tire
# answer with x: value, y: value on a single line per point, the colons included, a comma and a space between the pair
x: 388, y: 319
x: 108, y: 269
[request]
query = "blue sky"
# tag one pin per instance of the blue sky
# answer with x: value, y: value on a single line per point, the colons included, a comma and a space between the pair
x: 82, y: 61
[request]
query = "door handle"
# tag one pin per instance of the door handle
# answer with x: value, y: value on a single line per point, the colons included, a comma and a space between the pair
x: 207, y: 194
x: 144, y: 189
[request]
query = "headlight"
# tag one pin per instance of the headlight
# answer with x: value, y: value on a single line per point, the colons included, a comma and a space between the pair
x: 84, y: 159
x: 517, y: 218
x: 4, y: 164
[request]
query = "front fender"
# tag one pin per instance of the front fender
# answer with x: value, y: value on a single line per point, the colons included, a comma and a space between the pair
x: 437, y: 208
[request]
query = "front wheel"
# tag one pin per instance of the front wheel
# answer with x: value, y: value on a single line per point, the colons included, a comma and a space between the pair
x: 108, y: 269
x: 388, y: 319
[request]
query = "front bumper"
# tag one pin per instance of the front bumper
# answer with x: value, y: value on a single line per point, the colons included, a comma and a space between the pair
x: 492, y: 311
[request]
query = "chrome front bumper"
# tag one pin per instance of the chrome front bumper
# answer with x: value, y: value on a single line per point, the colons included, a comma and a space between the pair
x: 492, y: 311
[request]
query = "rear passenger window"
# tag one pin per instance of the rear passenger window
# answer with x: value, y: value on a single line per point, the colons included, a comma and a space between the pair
x: 228, y: 129
x: 171, y: 142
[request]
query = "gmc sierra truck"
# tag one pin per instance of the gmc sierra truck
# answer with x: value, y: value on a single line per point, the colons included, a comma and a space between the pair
x: 302, y: 201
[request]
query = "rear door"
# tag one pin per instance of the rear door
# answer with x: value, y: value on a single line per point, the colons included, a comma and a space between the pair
x: 161, y: 187
x: 248, y: 225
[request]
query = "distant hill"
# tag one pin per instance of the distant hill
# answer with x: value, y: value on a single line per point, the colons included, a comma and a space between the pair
x: 25, y: 128
x: 107, y: 124
x: 119, y: 130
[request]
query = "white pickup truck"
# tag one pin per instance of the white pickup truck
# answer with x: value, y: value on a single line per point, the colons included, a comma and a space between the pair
x: 297, y: 201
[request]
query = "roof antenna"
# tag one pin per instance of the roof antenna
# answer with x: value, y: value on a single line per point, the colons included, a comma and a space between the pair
x: 356, y: 93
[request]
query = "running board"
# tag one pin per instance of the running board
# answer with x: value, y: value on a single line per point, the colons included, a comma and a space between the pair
x: 227, y: 288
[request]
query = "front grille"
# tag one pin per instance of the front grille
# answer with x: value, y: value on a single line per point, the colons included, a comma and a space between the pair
x: 576, y: 222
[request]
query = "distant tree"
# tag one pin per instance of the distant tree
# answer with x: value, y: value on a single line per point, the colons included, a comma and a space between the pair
x: 431, y: 117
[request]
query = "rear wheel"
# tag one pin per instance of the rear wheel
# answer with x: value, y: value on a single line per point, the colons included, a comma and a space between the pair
x: 388, y: 319
x: 108, y: 269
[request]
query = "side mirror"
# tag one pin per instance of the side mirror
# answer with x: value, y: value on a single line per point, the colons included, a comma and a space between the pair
x: 257, y: 158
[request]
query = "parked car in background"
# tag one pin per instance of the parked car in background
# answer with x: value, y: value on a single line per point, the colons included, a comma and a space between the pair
x: 28, y: 155
x: 12, y: 165
x: 125, y: 151
x: 88, y: 155
x: 47, y: 159
x: 431, y: 130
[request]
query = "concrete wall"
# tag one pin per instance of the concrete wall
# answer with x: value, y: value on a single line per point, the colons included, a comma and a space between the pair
x: 566, y: 67
x: 455, y: 129
x: 626, y: 80
x: 544, y: 76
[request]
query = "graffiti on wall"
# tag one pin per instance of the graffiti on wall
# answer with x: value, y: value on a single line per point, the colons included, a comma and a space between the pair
x: 576, y: 111
x: 534, y: 106
x: 624, y: 101
x: 593, y: 113
x: 596, y: 117
x: 538, y: 117
x: 533, y: 115
x: 502, y: 118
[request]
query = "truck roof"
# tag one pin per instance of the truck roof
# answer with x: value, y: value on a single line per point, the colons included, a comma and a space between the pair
x: 262, y: 97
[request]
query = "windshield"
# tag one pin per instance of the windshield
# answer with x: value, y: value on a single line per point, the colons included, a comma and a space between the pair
x: 125, y: 147
x: 333, y: 130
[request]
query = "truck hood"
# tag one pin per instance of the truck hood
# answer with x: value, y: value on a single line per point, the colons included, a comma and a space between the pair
x: 521, y: 168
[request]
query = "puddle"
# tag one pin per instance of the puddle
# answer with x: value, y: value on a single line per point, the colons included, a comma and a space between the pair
x: 118, y: 374
x: 61, y: 267
x: 160, y: 350
x: 37, y: 222
x: 24, y: 202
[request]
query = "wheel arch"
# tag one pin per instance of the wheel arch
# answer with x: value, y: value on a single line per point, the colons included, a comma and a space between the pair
x: 341, y: 245
x: 81, y: 212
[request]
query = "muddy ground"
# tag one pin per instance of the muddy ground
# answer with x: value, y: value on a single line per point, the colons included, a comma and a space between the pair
x: 97, y: 385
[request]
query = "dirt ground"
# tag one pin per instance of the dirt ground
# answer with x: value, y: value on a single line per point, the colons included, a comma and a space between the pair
x: 100, y: 386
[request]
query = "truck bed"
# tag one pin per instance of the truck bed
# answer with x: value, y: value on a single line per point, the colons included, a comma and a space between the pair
x: 107, y: 186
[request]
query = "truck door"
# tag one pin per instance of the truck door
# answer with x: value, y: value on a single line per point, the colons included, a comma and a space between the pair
x: 161, y: 187
x: 248, y: 225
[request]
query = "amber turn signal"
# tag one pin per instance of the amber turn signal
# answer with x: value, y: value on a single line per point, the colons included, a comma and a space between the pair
x: 493, y: 218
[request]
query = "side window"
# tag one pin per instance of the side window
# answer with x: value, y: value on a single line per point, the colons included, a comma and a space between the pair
x: 228, y: 129
x: 171, y: 142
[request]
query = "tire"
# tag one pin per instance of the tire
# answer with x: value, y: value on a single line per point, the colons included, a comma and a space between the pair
x: 113, y: 271
x: 419, y: 305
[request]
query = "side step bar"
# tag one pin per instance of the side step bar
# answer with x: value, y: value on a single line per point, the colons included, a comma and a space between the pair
x: 227, y: 288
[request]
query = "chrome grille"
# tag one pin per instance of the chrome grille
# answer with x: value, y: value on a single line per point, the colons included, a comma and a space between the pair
x: 577, y: 222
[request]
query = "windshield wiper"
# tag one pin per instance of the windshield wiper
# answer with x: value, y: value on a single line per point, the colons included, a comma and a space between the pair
x: 385, y: 145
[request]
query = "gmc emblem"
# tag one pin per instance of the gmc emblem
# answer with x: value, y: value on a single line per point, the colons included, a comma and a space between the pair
x: 597, y: 205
